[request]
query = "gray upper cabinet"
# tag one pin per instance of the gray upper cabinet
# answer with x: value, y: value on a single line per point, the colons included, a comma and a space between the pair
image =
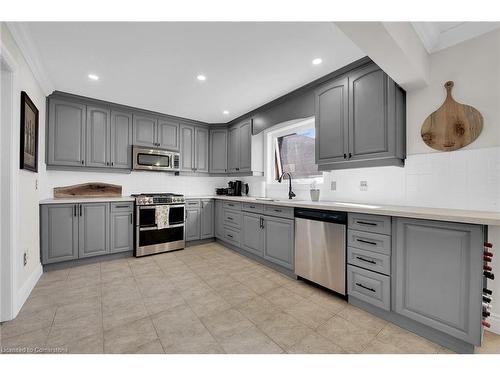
x: 121, y: 232
x: 233, y: 149
x: 145, y: 130
x: 253, y: 235
x: 193, y: 226
x: 66, y: 133
x: 93, y: 229
x: 168, y: 135
x: 219, y: 219
x: 360, y: 121
x: 437, y: 276
x: 218, y: 151
x: 98, y: 137
x: 332, y: 122
x: 207, y: 218
x: 279, y: 241
x: 245, y: 146
x: 187, y: 148
x: 59, y: 232
x: 121, y: 140
x: 201, y: 149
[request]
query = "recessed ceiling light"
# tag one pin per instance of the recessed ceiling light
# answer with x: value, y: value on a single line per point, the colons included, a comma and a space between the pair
x: 93, y: 77
x: 201, y: 77
x: 317, y: 61
x: 225, y: 112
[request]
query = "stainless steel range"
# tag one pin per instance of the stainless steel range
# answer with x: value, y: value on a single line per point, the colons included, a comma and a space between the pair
x: 159, y: 223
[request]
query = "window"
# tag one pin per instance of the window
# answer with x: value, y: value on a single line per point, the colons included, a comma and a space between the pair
x: 292, y: 150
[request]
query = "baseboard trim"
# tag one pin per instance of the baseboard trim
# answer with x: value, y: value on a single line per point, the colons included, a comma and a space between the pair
x: 24, y: 292
x: 495, y: 324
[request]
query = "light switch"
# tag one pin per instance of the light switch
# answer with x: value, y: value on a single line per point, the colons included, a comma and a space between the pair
x: 333, y: 185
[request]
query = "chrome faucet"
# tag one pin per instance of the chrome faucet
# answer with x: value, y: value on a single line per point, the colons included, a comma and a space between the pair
x: 291, y: 194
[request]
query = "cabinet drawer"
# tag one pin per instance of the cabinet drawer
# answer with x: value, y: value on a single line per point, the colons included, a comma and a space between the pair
x: 370, y: 223
x: 253, y: 207
x: 379, y: 243
x: 192, y: 203
x: 232, y: 235
x: 232, y: 218
x: 122, y: 206
x: 286, y: 212
x: 368, y: 259
x: 369, y: 286
x: 232, y: 205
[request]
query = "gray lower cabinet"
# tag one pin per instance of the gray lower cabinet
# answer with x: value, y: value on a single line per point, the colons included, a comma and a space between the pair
x: 121, y: 140
x: 81, y: 230
x: 121, y: 234
x: 279, y: 241
x: 437, y: 276
x: 360, y: 121
x: 93, y: 232
x: 219, y: 219
x: 59, y: 232
x: 193, y: 223
x: 218, y: 151
x: 66, y: 133
x: 207, y: 218
x: 252, y: 233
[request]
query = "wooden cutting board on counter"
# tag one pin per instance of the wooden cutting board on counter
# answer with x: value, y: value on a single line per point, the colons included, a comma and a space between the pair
x: 90, y: 189
x: 453, y: 125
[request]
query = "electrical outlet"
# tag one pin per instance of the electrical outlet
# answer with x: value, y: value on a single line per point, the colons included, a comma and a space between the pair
x: 363, y: 185
x: 25, y: 258
x: 333, y: 185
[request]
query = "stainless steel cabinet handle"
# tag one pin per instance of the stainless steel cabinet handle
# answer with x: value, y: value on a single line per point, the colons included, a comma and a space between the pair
x: 366, y: 223
x: 366, y: 260
x: 365, y: 287
x: 367, y: 242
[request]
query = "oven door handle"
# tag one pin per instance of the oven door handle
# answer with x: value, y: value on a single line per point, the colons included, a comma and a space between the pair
x: 144, y: 229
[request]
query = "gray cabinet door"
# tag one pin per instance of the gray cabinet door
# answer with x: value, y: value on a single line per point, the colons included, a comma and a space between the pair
x: 168, y: 135
x: 66, y: 133
x: 207, y: 218
x: 218, y: 150
x: 193, y: 226
x: 331, y: 122
x: 219, y: 219
x: 93, y: 229
x: 252, y: 233
x: 187, y: 148
x: 437, y: 276
x: 245, y: 144
x: 59, y: 232
x: 121, y: 140
x: 145, y: 130
x: 371, y: 134
x: 233, y: 149
x: 121, y: 232
x: 279, y: 241
x: 201, y: 149
x: 98, y: 137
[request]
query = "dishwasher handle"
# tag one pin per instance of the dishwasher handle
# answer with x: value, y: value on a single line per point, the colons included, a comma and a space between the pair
x: 322, y: 215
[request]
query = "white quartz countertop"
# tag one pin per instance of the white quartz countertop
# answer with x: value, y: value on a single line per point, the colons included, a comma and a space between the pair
x: 86, y: 200
x: 429, y: 213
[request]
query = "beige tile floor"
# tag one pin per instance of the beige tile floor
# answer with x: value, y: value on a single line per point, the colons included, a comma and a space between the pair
x: 204, y: 299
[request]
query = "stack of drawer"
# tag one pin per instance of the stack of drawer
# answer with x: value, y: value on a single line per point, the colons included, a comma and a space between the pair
x: 369, y: 259
x: 232, y: 222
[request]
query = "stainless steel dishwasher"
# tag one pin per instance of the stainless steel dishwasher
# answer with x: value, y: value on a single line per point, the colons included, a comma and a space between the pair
x: 320, y: 247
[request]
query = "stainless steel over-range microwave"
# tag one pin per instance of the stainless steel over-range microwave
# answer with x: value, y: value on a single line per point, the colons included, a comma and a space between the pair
x: 153, y: 159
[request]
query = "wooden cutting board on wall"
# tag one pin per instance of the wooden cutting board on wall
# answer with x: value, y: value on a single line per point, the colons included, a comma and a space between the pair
x: 90, y: 189
x: 453, y: 125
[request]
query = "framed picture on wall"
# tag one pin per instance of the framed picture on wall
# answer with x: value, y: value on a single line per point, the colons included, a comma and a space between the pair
x: 29, y: 134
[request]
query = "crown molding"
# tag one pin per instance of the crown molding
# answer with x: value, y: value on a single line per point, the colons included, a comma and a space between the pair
x: 22, y: 37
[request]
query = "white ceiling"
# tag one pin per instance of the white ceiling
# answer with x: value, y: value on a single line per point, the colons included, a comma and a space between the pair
x: 154, y: 65
x: 439, y: 35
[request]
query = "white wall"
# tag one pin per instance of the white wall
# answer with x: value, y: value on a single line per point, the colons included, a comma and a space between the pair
x: 467, y: 179
x: 26, y: 197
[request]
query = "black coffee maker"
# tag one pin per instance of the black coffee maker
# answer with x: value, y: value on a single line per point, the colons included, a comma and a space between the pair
x: 234, y: 188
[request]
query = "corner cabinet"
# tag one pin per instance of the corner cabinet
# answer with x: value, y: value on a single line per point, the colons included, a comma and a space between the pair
x: 81, y: 230
x: 437, y: 276
x: 240, y: 147
x: 360, y: 121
